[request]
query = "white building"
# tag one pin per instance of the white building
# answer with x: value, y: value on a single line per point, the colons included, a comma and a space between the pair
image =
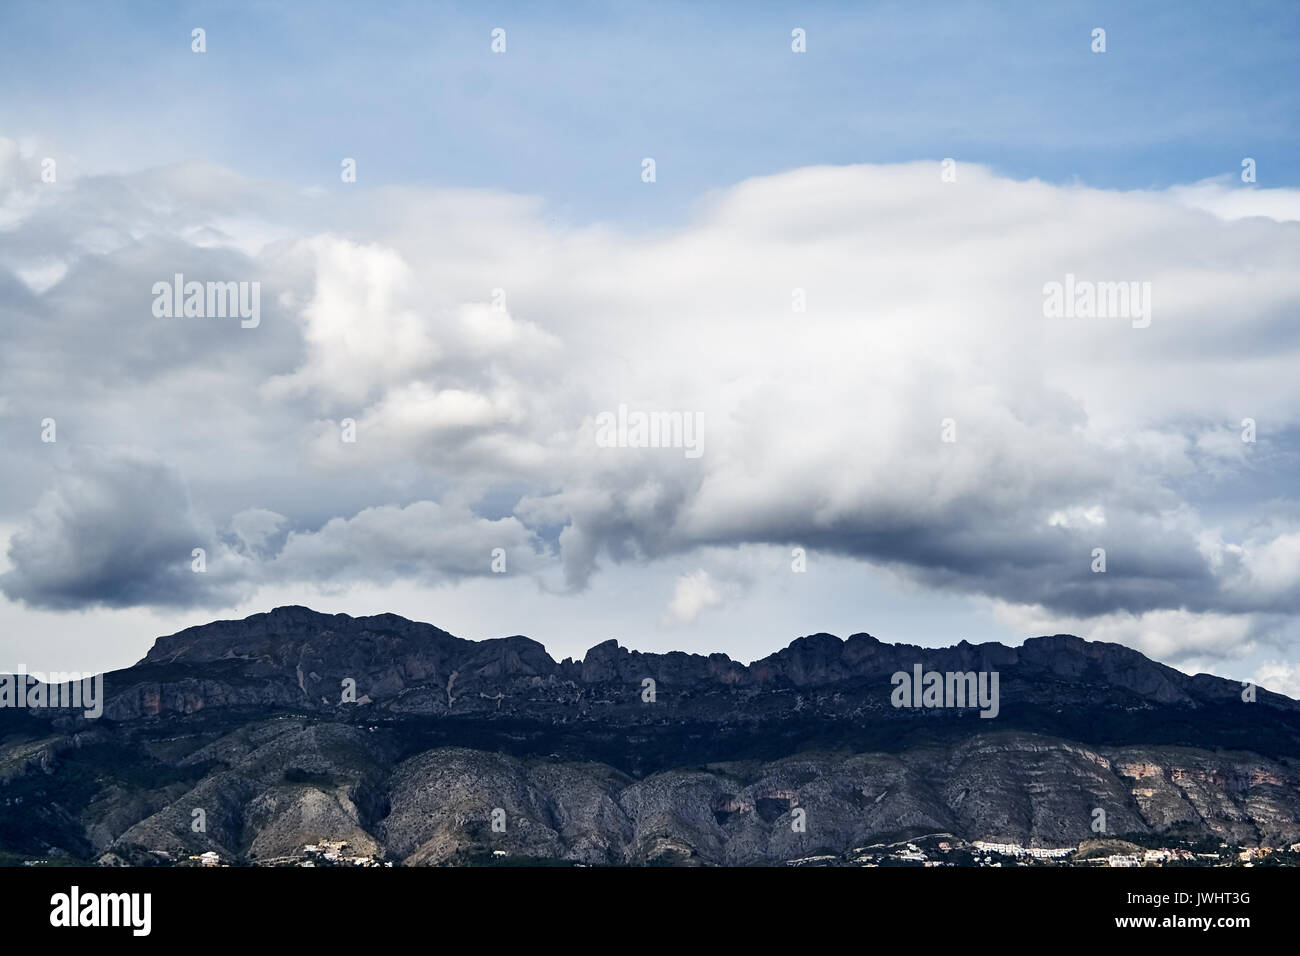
x: 1007, y: 849
x: 1049, y: 853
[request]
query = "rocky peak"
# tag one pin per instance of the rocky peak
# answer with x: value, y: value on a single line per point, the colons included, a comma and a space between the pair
x: 289, y: 628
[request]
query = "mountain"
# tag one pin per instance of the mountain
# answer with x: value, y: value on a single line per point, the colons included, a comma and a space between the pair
x: 251, y: 723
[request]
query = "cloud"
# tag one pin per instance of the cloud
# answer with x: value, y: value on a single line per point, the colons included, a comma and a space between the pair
x: 363, y: 326
x: 1177, y: 637
x: 475, y: 343
x: 423, y: 541
x: 255, y: 530
x: 693, y: 594
x: 1226, y: 198
x: 118, y: 530
x: 1279, y: 677
x: 115, y: 529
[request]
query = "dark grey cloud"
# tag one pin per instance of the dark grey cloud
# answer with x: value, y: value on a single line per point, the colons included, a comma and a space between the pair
x: 115, y: 529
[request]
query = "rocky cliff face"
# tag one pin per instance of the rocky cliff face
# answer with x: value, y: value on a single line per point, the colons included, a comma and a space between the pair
x: 247, y: 722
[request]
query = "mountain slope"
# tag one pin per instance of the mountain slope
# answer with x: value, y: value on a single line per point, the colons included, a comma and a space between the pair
x: 246, y: 722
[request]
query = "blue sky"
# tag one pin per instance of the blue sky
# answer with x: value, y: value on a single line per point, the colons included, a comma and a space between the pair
x: 815, y: 169
x: 712, y: 91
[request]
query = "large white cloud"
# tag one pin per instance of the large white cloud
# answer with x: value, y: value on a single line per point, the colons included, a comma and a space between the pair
x: 475, y: 344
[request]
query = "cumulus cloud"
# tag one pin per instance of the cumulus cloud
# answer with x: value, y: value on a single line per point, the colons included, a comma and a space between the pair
x: 115, y: 529
x: 693, y: 593
x: 424, y: 541
x: 831, y: 326
x: 118, y: 530
x: 362, y: 327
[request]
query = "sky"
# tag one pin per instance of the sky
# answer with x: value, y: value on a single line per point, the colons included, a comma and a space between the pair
x: 840, y: 269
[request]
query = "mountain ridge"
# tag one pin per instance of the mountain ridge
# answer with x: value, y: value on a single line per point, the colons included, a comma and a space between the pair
x: 1044, y: 650
x: 291, y: 727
